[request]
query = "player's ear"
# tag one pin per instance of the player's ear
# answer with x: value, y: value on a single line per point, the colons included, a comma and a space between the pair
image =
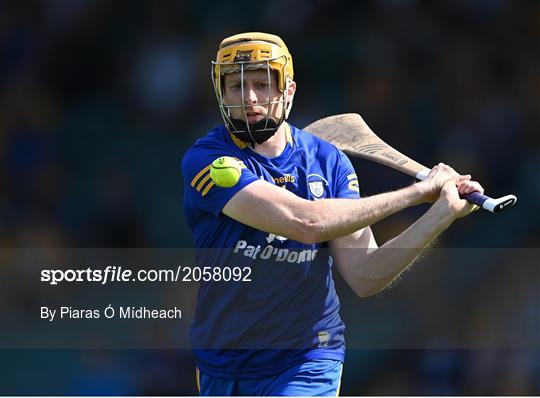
x: 291, y: 88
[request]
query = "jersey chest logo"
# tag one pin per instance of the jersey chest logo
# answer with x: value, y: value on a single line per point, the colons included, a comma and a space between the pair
x: 317, y: 186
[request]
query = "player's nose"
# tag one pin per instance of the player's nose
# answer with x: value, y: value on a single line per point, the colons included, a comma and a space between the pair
x: 250, y: 96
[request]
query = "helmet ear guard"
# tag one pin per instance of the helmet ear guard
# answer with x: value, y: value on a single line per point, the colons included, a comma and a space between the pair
x: 253, y: 51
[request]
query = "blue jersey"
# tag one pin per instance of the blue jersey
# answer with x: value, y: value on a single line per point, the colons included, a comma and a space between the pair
x: 289, y: 311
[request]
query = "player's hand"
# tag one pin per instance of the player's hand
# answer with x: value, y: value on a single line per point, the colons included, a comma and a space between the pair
x: 450, y: 196
x: 437, y: 177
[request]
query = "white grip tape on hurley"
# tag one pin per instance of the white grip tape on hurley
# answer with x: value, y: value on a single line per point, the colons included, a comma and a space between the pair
x: 422, y: 174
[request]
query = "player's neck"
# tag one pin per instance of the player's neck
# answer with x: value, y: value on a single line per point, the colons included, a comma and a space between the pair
x: 275, y: 145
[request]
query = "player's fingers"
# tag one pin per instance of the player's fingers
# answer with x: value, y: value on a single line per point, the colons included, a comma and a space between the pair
x: 448, y: 170
x: 465, y: 177
x: 466, y: 187
x: 474, y: 186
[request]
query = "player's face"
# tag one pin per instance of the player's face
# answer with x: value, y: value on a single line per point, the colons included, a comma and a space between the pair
x: 258, y: 93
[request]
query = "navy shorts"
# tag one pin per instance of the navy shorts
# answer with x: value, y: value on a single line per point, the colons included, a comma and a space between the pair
x: 316, y: 377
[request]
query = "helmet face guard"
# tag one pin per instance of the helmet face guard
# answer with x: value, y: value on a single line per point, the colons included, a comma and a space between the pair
x: 246, y: 52
x: 261, y: 131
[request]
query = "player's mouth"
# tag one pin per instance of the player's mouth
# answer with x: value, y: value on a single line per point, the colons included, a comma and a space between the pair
x: 254, y: 117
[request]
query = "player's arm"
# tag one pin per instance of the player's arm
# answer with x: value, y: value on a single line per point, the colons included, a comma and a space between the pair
x: 368, y: 269
x: 268, y: 208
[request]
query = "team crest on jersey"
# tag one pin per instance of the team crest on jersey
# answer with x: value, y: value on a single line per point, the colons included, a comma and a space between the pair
x: 316, y: 188
x: 324, y: 339
x: 317, y: 185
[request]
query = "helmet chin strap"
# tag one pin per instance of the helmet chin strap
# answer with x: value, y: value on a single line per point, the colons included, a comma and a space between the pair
x: 256, y: 133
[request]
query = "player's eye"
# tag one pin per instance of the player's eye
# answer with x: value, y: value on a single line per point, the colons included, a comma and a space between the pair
x: 260, y: 85
x: 235, y: 86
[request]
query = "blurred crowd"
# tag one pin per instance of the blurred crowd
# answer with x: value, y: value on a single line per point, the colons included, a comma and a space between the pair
x: 100, y: 99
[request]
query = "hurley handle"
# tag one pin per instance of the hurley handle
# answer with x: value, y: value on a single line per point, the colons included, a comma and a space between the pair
x: 493, y: 205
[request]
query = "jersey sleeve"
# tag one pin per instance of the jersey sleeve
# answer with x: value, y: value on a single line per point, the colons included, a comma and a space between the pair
x: 200, y: 192
x: 347, y: 181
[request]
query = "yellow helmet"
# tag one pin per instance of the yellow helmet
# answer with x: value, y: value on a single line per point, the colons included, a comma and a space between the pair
x: 249, y: 51
x: 254, y: 48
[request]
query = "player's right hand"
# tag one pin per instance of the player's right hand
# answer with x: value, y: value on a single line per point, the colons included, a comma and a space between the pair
x: 450, y: 197
x: 437, y: 177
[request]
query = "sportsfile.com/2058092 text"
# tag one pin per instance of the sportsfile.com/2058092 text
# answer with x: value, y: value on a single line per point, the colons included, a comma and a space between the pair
x: 121, y: 274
